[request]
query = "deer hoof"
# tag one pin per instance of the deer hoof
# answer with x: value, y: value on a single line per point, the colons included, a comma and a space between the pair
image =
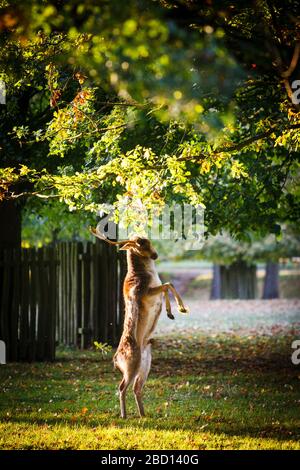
x: 171, y: 316
x: 183, y: 309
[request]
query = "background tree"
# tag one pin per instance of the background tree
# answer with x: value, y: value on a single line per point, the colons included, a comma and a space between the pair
x: 234, y: 273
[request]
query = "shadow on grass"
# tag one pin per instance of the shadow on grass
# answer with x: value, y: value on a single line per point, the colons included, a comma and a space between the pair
x: 247, y: 389
x: 180, y: 366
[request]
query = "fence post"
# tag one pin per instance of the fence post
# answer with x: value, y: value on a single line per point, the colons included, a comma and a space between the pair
x: 121, y: 276
x: 5, y: 298
x: 33, y: 303
x: 16, y: 283
x: 24, y: 307
x: 41, y: 312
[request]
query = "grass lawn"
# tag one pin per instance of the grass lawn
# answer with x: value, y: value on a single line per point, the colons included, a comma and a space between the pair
x: 204, y: 392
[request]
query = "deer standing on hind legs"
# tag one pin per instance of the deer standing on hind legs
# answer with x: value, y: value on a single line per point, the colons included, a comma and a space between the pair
x: 143, y: 292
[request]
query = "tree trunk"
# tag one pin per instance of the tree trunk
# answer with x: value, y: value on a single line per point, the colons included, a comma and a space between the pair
x: 215, y: 292
x: 237, y: 281
x: 271, y: 282
x: 10, y: 221
x: 10, y: 237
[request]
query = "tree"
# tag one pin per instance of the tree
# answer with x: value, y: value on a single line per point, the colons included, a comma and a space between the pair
x: 234, y: 274
x: 262, y: 35
x: 271, y: 282
x: 106, y: 107
x: 271, y: 250
x: 63, y: 133
x: 51, y: 223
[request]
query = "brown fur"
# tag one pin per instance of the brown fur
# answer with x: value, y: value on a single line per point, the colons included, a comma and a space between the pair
x: 137, y: 324
x: 143, y: 294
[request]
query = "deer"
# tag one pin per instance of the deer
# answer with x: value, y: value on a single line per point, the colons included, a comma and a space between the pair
x: 143, y: 294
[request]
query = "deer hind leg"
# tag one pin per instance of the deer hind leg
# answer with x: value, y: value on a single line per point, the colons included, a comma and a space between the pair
x: 122, y: 395
x: 141, y: 378
x: 129, y: 370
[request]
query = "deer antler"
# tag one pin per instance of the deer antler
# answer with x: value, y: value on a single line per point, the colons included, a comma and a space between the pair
x: 100, y: 235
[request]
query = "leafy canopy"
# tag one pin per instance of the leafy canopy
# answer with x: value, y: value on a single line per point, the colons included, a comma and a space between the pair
x: 156, y: 102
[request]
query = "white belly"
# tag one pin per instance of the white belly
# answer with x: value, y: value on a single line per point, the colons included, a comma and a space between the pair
x: 150, y: 311
x: 148, y: 319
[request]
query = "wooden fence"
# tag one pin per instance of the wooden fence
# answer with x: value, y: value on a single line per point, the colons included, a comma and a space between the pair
x: 28, y: 303
x: 69, y: 294
x: 90, y: 301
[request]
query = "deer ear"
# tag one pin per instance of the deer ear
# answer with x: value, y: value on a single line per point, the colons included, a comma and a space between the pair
x: 127, y: 246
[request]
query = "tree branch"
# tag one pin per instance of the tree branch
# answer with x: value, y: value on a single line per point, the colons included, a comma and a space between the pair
x: 241, y: 145
x: 34, y: 193
x: 293, y: 63
x: 253, y: 139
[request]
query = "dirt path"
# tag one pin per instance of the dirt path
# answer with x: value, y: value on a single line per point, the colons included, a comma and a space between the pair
x: 229, y: 315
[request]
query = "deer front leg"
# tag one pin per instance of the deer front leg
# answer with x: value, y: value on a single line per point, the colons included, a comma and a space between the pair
x: 178, y: 299
x: 168, y: 305
x: 164, y: 288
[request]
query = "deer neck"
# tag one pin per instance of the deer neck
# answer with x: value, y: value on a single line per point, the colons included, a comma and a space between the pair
x: 136, y: 264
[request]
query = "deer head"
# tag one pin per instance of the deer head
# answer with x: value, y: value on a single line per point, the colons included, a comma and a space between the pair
x: 140, y: 246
